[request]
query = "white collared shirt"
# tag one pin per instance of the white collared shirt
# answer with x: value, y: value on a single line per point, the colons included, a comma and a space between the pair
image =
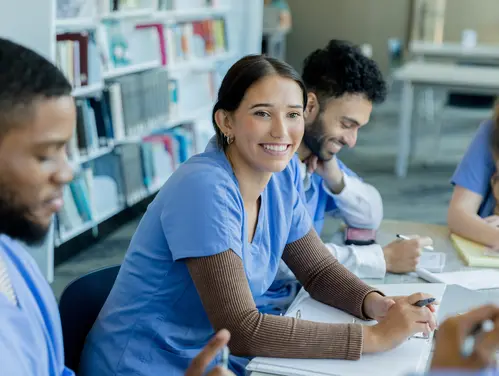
x: 359, y: 205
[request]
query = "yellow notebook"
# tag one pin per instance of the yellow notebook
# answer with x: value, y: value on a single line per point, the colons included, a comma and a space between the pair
x: 474, y: 254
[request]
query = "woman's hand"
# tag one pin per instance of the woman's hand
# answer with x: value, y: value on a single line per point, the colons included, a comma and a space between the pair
x: 204, y: 358
x: 451, y: 336
x: 376, y: 305
x: 402, y: 320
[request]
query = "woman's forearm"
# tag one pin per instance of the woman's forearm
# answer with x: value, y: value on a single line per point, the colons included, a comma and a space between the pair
x: 324, y: 278
x: 223, y: 288
x: 472, y: 226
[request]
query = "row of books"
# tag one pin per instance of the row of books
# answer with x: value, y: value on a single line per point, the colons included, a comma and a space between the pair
x: 190, y: 40
x: 129, y: 106
x: 90, y: 8
x: 133, y: 105
x: 124, y: 177
x: 77, y: 55
x: 84, y: 55
x: 125, y: 43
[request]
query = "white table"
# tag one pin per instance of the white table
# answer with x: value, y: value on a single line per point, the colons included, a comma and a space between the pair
x: 484, y: 53
x: 440, y: 235
x: 469, y: 79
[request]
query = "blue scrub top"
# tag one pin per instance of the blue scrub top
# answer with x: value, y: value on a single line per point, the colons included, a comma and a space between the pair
x: 477, y: 167
x: 30, y: 333
x: 153, y: 322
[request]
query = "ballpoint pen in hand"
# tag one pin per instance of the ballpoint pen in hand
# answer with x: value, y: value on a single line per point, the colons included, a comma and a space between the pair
x: 403, y: 237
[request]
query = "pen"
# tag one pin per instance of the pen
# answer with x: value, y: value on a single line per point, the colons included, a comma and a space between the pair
x: 403, y: 237
x: 469, y: 342
x: 424, y: 302
x: 225, y: 358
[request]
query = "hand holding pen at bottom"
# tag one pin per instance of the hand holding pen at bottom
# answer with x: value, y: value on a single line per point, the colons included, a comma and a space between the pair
x: 208, y: 353
x: 404, y: 319
x: 469, y: 341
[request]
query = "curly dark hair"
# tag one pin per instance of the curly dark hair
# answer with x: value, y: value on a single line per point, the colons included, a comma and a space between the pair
x: 341, y: 68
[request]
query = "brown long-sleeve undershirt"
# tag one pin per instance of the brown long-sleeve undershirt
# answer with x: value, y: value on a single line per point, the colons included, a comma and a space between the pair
x: 222, y: 285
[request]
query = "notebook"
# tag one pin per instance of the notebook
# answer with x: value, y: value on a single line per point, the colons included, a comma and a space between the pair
x: 471, y: 279
x: 411, y: 356
x: 475, y: 254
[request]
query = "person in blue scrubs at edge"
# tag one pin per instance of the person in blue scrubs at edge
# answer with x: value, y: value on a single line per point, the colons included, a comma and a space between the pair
x: 211, y: 242
x: 37, y: 119
x: 342, y: 84
x: 473, y: 210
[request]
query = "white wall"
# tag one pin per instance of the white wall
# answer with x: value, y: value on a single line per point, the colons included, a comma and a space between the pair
x: 29, y: 22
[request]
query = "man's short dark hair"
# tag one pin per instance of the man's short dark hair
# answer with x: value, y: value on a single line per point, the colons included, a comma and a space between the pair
x: 341, y: 68
x: 25, y: 76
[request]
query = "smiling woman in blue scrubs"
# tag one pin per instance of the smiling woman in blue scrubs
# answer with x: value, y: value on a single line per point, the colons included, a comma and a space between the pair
x: 211, y: 241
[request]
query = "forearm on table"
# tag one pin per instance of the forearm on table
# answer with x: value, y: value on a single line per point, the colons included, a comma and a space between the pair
x: 360, y: 204
x: 223, y: 288
x: 472, y: 226
x: 324, y: 278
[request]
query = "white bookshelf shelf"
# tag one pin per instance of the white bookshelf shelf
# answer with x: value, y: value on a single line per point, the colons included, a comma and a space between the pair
x: 73, y: 233
x: 72, y: 24
x: 198, y: 64
x: 129, y: 13
x: 94, y: 154
x: 89, y: 90
x: 172, y: 16
x: 134, y: 68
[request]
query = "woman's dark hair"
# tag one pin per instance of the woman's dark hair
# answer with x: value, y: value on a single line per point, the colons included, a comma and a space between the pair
x: 241, y: 76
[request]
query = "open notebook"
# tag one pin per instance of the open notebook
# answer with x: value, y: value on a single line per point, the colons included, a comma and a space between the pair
x: 475, y: 254
x: 411, y: 356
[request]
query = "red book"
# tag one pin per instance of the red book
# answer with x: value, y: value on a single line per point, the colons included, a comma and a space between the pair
x: 162, y: 41
x: 82, y: 39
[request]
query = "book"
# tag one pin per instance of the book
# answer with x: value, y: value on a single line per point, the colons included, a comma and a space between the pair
x: 410, y: 357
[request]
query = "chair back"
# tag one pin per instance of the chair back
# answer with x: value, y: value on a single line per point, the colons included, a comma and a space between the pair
x: 79, y: 306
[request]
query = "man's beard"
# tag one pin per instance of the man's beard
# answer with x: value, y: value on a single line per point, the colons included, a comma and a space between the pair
x: 14, y: 220
x: 314, y: 139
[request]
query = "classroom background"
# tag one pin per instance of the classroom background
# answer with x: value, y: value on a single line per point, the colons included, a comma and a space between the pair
x: 146, y: 73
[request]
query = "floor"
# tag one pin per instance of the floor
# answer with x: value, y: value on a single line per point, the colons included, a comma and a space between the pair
x: 423, y: 196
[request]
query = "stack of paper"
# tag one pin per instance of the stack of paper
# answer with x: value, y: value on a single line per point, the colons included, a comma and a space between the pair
x: 411, y: 356
x: 475, y: 254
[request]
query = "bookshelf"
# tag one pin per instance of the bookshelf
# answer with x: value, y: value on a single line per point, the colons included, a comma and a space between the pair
x: 156, y: 87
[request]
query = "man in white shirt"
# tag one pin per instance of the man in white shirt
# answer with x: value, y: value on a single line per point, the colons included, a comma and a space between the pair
x: 342, y: 86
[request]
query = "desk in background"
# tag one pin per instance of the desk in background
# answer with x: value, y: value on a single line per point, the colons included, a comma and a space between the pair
x: 466, y: 79
x: 483, y: 53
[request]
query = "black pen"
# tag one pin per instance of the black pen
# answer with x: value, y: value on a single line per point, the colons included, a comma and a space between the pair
x: 424, y: 302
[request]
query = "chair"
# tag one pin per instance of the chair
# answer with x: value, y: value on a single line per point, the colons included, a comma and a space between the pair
x: 79, y: 306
